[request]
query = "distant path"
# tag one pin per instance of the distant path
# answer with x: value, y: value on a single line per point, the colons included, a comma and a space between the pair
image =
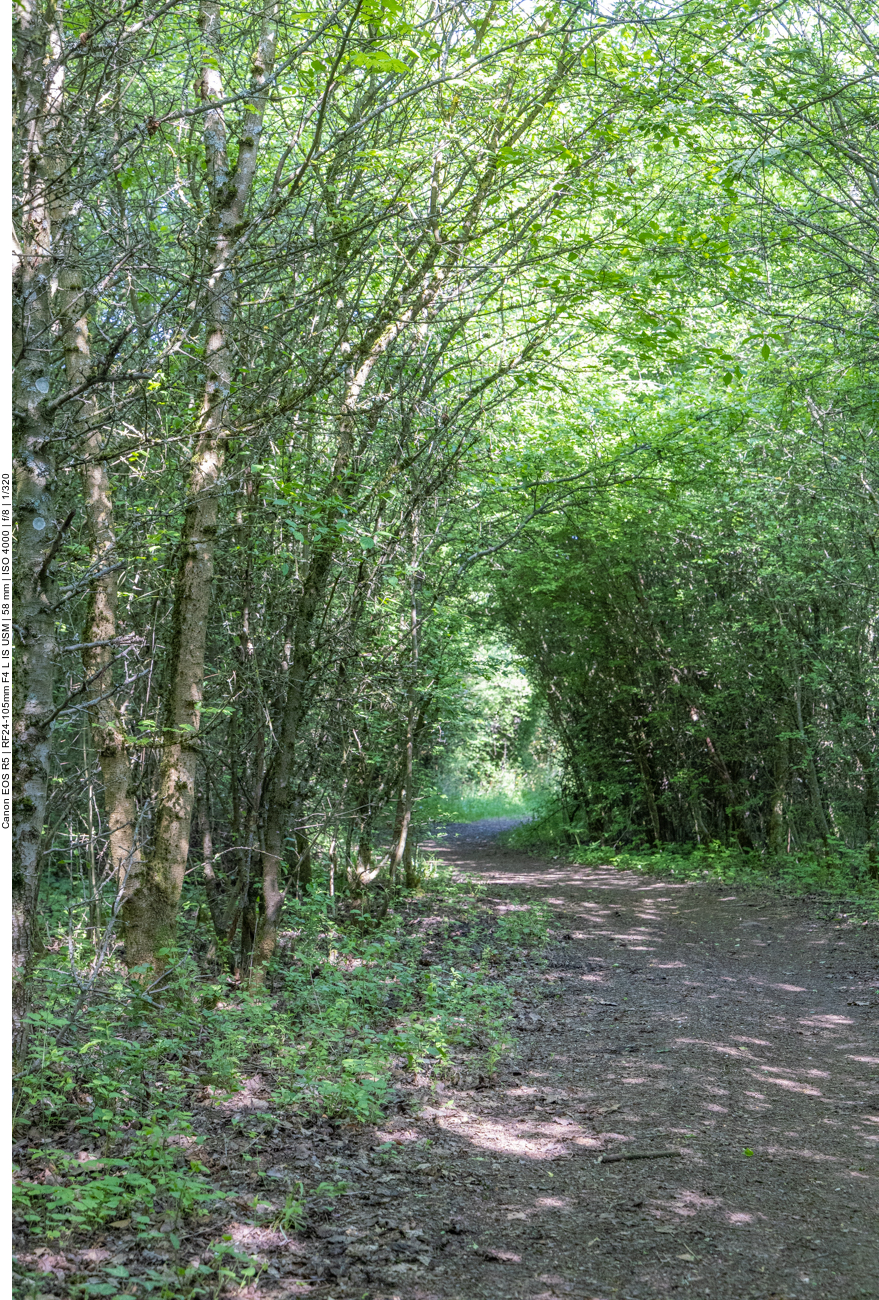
x: 717, y: 1022
x: 484, y: 832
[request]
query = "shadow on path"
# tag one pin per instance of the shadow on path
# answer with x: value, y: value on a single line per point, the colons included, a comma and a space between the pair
x: 735, y: 1028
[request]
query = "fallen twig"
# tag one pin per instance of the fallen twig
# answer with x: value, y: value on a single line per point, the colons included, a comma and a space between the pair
x: 635, y: 1155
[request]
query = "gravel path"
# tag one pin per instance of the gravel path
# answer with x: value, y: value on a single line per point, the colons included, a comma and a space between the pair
x: 735, y: 1028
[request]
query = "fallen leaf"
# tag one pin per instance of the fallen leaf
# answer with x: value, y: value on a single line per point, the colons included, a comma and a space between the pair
x: 121, y: 1223
x: 690, y: 1259
x: 517, y: 1215
x: 666, y: 1229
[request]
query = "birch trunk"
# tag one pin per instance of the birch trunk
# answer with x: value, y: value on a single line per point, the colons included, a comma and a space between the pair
x: 39, y: 78
x: 150, y: 911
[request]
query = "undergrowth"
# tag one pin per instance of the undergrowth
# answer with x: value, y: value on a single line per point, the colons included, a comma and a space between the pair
x: 108, y: 1109
x: 837, y: 873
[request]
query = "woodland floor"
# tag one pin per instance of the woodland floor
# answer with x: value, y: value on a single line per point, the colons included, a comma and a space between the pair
x: 673, y: 1016
x: 736, y: 1029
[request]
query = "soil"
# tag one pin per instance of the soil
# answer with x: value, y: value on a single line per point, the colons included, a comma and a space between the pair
x: 727, y: 1038
x: 733, y: 1027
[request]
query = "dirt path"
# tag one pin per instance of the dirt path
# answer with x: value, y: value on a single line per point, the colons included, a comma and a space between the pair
x: 739, y: 1030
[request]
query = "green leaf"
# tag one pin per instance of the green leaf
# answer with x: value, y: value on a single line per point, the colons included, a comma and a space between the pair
x: 379, y: 61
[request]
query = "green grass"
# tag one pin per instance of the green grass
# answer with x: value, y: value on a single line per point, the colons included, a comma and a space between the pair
x: 462, y: 807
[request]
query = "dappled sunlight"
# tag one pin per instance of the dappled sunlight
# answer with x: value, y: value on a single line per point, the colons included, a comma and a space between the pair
x: 763, y: 982
x: 252, y: 1237
x: 244, y: 1099
x: 399, y: 1136
x: 801, y: 1153
x: 188, y: 1141
x: 722, y: 1049
x: 792, y: 1085
x: 687, y: 1202
x: 444, y: 442
x: 543, y: 1140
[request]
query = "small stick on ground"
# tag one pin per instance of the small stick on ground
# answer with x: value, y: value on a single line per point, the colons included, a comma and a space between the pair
x: 634, y: 1155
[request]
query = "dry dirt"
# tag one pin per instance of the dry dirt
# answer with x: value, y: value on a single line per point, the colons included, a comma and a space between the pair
x: 735, y: 1028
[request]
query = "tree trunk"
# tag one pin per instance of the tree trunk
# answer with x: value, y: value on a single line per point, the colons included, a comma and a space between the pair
x: 402, y: 851
x: 280, y: 794
x: 400, y: 834
x: 39, y: 77
x: 780, y: 777
x: 403, y: 847
x: 150, y: 911
x: 215, y: 903
x: 100, y: 625
x: 303, y: 860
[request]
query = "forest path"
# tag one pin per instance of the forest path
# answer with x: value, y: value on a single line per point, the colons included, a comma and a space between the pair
x: 716, y: 1022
